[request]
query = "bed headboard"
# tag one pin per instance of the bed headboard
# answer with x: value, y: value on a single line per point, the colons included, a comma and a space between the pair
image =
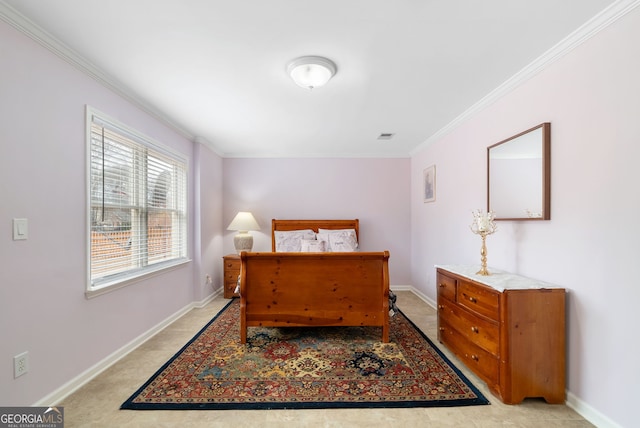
x: 312, y: 224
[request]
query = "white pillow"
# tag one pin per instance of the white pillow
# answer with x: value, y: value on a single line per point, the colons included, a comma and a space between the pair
x: 324, y: 238
x: 290, y: 240
x: 339, y: 240
x: 312, y: 246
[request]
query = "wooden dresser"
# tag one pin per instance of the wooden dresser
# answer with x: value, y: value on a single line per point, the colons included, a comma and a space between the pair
x: 508, y: 329
x: 231, y: 273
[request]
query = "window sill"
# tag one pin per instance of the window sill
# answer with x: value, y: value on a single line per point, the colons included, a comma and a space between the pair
x: 120, y: 282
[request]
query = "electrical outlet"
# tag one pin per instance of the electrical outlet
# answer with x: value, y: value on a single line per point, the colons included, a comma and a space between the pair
x: 208, y: 278
x: 20, y: 364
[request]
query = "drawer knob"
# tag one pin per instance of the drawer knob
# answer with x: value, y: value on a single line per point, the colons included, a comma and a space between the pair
x: 440, y: 306
x: 472, y: 299
x: 442, y: 285
x: 441, y: 329
x: 474, y: 357
x: 474, y: 329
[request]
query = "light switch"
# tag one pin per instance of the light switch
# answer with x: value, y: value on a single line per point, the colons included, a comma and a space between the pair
x: 20, y: 229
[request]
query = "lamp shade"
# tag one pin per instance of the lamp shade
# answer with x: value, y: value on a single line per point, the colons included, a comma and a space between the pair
x: 244, y: 221
x: 311, y: 71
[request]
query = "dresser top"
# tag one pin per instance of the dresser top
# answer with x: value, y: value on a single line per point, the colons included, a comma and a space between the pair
x: 499, y: 280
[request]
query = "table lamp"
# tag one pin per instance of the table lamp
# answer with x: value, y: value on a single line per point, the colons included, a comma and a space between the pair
x: 243, y: 222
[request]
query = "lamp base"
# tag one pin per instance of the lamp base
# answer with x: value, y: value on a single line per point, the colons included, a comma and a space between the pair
x: 483, y: 271
x: 243, y: 241
x: 483, y: 256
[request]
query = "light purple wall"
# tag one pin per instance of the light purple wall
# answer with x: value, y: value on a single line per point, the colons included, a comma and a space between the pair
x: 376, y: 191
x: 43, y: 309
x: 209, y: 229
x: 590, y: 245
x: 591, y: 97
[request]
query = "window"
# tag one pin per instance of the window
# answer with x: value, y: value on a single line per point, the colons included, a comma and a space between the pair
x: 137, y: 204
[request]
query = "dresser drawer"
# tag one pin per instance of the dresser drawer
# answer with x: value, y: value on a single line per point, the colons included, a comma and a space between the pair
x: 481, y: 300
x: 446, y: 287
x: 231, y: 275
x: 477, y: 330
x: 231, y: 265
x: 513, y: 339
x: 477, y: 359
x: 230, y: 288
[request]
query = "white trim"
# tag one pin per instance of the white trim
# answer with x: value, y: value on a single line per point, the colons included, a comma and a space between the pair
x: 48, y: 41
x: 57, y: 396
x: 128, y: 279
x: 602, y: 20
x: 589, y: 413
x: 115, y: 282
x: 401, y: 288
x: 85, y: 377
x: 424, y: 297
x: 583, y: 409
x: 93, y: 115
x: 419, y: 294
x: 605, y: 18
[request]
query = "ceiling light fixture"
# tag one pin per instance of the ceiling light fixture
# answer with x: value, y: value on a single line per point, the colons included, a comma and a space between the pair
x: 311, y: 71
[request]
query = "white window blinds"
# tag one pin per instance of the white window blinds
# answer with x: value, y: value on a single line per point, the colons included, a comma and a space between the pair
x: 138, y: 199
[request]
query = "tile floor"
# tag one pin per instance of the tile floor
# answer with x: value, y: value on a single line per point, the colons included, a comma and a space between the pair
x: 97, y: 403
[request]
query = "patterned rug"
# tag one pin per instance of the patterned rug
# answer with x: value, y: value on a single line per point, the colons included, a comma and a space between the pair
x: 305, y: 368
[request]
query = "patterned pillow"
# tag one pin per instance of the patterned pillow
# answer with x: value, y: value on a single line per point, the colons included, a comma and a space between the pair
x: 324, y: 238
x: 291, y: 240
x: 339, y: 240
x: 312, y: 246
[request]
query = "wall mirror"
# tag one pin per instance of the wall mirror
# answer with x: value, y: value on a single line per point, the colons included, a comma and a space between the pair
x: 519, y: 173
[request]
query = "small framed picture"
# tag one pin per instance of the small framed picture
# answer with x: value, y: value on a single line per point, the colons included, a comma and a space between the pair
x: 429, y: 184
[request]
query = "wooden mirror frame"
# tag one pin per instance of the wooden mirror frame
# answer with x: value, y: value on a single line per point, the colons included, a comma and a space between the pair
x: 545, y: 184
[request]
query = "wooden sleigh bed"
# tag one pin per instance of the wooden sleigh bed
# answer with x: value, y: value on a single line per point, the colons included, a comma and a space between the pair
x: 286, y: 289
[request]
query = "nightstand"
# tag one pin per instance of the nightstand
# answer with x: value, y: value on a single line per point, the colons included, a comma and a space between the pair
x: 231, y: 273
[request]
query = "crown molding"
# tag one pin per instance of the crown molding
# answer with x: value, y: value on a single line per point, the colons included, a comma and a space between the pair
x: 592, y: 27
x: 609, y: 15
x: 48, y: 41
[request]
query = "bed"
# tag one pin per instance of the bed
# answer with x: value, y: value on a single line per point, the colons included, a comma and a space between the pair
x: 314, y: 288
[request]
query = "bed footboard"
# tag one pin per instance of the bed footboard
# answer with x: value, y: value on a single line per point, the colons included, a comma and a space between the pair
x: 314, y: 289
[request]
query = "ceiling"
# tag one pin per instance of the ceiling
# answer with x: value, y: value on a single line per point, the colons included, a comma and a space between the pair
x: 216, y: 70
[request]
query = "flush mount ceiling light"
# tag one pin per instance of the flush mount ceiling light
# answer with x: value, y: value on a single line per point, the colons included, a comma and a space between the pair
x: 311, y: 71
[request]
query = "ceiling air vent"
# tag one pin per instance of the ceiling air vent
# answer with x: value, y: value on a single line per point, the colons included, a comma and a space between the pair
x: 385, y: 136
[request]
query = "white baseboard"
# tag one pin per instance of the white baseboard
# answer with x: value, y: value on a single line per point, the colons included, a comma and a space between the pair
x: 401, y: 288
x: 418, y: 293
x: 582, y: 408
x: 589, y: 413
x: 76, y: 383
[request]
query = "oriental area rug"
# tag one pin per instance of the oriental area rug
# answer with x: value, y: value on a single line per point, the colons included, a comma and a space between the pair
x: 305, y: 368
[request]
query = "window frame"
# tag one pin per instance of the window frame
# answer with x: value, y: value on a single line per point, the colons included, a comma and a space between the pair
x: 118, y: 280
